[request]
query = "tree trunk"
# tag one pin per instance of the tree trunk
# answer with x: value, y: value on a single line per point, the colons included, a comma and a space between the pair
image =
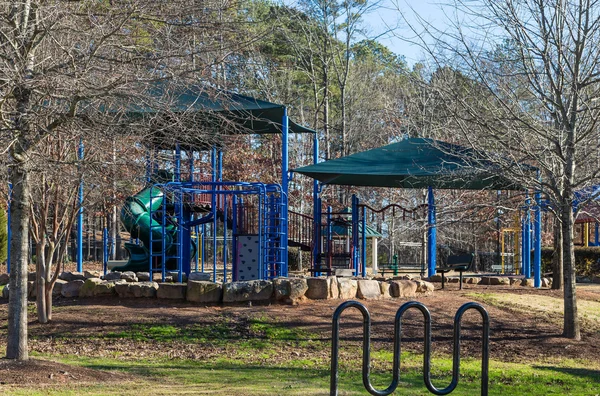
x: 557, y: 257
x: 571, y: 321
x: 16, y: 347
x: 41, y: 269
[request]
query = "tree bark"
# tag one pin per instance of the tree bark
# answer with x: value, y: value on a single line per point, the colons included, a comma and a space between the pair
x: 571, y: 328
x: 557, y: 258
x: 16, y: 347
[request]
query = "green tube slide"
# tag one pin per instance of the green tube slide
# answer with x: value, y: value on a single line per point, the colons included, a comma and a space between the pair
x: 135, y: 216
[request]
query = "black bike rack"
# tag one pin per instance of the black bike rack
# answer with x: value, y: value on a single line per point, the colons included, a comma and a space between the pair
x: 366, y: 369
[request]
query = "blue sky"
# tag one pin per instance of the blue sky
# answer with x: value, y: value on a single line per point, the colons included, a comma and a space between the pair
x: 396, y: 14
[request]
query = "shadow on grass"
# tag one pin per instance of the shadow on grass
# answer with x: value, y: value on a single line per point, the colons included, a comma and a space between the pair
x: 593, y: 375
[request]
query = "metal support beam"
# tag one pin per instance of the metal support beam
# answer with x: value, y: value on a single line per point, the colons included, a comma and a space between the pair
x: 431, y: 233
x: 284, y: 189
x: 537, y: 241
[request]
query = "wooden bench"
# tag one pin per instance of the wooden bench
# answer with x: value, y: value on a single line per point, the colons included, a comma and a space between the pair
x: 458, y: 262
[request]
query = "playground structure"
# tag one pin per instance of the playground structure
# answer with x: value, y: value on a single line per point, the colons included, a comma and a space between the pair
x: 176, y: 222
x: 424, y: 164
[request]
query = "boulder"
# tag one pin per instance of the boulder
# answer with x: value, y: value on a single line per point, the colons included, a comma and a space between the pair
x: 290, y: 290
x: 112, y: 276
x: 105, y: 288
x: 345, y: 272
x: 129, y: 276
x: 72, y: 288
x: 175, y: 276
x: 384, y: 287
x: 254, y: 290
x: 87, y: 290
x: 143, y: 276
x: 515, y: 281
x: 368, y: 289
x: 71, y: 276
x: 334, y: 291
x: 527, y: 282
x: 403, y: 288
x: 123, y: 290
x: 424, y: 287
x: 347, y: 288
x: 499, y: 281
x: 546, y: 282
x: 58, y: 285
x: 200, y: 276
x: 4, y: 278
x: 171, y: 291
x: 204, y: 291
x: 143, y: 289
x: 92, y: 274
x: 435, y: 278
x: 318, y: 288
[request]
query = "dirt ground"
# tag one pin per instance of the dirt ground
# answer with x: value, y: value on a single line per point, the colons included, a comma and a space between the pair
x: 79, y: 325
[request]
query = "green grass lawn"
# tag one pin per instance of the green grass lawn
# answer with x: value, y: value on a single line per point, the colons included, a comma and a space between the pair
x: 233, y: 376
x: 258, y: 355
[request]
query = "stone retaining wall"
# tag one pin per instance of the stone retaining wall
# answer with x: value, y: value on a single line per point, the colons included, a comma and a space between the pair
x: 284, y: 290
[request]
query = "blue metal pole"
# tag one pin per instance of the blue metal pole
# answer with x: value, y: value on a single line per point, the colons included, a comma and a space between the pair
x: 363, y: 248
x: 284, y: 189
x: 316, y: 208
x: 318, y: 238
x: 354, y: 248
x: 224, y: 238
x: 213, y: 163
x: 537, y: 240
x: 202, y: 247
x: 80, y: 215
x: 234, y: 261
x: 523, y: 247
x: 197, y: 230
x: 9, y: 231
x: 527, y: 239
x: 431, y: 233
x: 329, y: 238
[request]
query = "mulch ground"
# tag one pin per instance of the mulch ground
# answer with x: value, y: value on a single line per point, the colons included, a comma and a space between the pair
x: 45, y: 372
x: 79, y: 324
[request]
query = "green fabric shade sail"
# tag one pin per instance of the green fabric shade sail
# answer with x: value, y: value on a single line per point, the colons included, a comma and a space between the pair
x: 413, y: 163
x: 214, y: 106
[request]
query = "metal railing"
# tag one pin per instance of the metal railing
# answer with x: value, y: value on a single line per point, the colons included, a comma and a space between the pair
x: 366, y: 369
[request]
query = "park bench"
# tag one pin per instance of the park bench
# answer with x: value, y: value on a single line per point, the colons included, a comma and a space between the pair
x: 458, y: 262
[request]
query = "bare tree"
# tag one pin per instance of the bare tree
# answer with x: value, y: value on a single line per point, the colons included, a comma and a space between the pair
x: 535, y: 101
x: 76, y: 68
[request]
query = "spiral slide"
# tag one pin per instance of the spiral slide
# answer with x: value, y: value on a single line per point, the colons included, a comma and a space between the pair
x: 137, y: 220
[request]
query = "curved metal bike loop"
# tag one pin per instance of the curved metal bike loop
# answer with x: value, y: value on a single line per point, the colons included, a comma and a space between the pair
x: 366, y: 369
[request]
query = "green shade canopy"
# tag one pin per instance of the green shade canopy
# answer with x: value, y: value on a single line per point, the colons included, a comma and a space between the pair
x: 214, y: 107
x: 413, y: 163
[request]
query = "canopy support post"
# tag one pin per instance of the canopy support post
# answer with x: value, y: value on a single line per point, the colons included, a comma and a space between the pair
x: 537, y: 239
x: 284, y: 190
x: 431, y: 233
